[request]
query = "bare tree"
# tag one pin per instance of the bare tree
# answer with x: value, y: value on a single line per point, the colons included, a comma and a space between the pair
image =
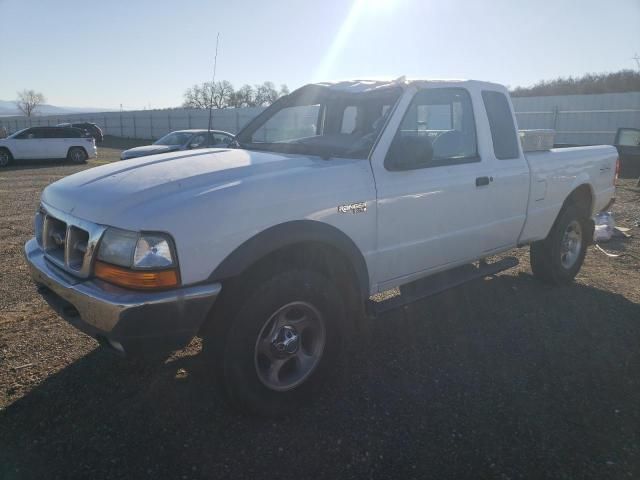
x: 223, y: 95
x: 28, y: 101
x: 243, y: 97
x: 207, y: 95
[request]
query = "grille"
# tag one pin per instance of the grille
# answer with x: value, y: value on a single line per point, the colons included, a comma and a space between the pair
x: 68, y: 242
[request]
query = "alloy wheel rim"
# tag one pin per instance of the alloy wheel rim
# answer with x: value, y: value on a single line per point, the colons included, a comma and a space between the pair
x: 4, y: 159
x: 571, y: 244
x: 289, y: 346
x: 77, y: 156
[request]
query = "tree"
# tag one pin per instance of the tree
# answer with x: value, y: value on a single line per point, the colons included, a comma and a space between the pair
x: 205, y: 95
x: 223, y: 95
x: 28, y: 101
x: 622, y: 81
x: 266, y: 94
x: 243, y: 97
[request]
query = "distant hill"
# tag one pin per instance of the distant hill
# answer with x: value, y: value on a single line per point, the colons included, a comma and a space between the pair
x: 616, y: 82
x: 8, y: 108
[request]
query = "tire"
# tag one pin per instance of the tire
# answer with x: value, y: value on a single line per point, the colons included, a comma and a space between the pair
x: 558, y: 258
x: 77, y: 155
x: 5, y: 157
x: 278, y: 341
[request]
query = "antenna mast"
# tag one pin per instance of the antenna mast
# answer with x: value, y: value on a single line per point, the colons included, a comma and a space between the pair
x: 213, y: 82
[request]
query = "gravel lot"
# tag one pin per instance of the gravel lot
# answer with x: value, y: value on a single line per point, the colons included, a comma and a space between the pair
x: 502, y: 378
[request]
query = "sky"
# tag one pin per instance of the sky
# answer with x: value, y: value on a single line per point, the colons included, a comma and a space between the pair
x: 146, y: 53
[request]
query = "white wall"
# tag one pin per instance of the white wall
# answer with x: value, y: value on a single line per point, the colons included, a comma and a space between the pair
x: 144, y: 123
x: 577, y: 119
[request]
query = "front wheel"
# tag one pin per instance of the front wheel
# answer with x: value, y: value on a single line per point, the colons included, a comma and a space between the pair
x: 77, y: 155
x: 558, y: 258
x: 279, y: 342
x: 5, y: 157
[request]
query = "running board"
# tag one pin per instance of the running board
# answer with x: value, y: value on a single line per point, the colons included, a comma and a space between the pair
x: 439, y: 282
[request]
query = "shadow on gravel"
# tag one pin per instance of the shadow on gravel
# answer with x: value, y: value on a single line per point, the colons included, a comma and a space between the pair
x: 501, y: 378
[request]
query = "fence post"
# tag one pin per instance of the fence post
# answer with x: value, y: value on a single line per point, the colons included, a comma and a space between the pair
x: 555, y: 118
x: 169, y: 119
x: 104, y: 118
x: 151, y: 124
x: 189, y: 118
x: 135, y: 135
x: 121, y: 130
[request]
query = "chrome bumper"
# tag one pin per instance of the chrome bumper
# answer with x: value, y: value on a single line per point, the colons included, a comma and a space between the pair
x: 127, y: 320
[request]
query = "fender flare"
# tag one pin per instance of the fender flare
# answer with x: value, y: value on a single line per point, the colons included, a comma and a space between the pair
x: 287, y: 234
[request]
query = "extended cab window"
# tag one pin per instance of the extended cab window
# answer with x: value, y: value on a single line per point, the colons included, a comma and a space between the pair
x: 442, y: 120
x: 503, y: 130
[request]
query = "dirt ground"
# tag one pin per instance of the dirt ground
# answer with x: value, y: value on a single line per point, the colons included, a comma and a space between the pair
x: 501, y: 378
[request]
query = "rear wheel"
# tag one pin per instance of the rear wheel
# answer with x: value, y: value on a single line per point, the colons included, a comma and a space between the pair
x: 5, y: 157
x: 77, y: 155
x: 558, y: 258
x: 278, y: 342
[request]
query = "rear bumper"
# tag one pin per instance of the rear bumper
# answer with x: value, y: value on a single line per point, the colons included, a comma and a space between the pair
x: 130, y: 322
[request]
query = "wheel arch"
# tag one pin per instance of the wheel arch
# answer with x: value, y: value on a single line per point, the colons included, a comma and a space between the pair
x: 582, y: 196
x: 77, y: 146
x: 5, y: 147
x: 296, y: 238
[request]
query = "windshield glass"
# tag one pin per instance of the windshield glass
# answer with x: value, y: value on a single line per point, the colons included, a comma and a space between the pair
x: 316, y: 120
x: 174, y: 138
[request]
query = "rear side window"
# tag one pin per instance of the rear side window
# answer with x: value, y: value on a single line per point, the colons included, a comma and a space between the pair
x: 72, y: 133
x: 503, y: 130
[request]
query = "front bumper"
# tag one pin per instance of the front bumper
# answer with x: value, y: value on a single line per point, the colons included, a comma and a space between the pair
x: 128, y: 321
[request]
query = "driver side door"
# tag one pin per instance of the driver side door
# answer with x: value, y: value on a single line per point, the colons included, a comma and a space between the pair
x: 28, y: 145
x: 430, y: 216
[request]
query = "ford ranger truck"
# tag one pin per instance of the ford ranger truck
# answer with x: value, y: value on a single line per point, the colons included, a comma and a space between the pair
x: 269, y: 249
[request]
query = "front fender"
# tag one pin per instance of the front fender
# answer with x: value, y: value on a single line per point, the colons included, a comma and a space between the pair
x: 288, y: 234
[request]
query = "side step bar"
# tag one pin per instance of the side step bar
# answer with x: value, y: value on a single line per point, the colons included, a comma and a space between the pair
x: 439, y: 282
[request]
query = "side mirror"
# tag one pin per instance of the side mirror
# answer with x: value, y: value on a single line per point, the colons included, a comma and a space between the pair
x: 409, y: 153
x: 194, y: 145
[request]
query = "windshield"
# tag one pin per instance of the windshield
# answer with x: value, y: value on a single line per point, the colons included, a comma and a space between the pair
x: 316, y: 120
x: 174, y: 138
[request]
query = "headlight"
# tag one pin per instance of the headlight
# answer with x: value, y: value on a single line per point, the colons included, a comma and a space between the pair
x: 137, y: 260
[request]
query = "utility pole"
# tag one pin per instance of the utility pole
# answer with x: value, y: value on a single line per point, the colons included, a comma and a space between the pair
x: 213, y: 82
x: 637, y: 59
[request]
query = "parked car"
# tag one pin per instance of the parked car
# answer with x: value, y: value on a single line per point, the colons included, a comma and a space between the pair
x: 334, y: 193
x: 627, y: 143
x: 92, y: 128
x: 181, y: 140
x: 47, y: 143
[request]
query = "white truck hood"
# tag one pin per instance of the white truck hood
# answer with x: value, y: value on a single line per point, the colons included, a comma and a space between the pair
x: 108, y: 193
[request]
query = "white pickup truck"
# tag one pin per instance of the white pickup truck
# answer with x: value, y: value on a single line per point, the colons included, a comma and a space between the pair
x: 270, y: 248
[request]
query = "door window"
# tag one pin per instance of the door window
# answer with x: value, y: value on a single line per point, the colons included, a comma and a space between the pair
x: 440, y: 121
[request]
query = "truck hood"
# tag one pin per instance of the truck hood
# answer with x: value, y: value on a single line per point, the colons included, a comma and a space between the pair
x: 148, y: 150
x: 108, y: 193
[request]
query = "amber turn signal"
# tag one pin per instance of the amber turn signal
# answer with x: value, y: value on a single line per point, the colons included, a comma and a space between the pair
x: 136, y: 279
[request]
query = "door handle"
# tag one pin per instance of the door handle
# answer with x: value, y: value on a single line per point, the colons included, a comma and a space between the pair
x: 482, y: 181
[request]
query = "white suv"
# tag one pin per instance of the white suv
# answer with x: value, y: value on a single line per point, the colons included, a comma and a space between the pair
x: 47, y: 143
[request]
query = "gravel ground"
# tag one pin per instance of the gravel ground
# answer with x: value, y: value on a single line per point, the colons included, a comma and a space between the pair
x: 501, y: 378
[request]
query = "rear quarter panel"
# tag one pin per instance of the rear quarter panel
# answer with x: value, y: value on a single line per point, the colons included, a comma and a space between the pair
x: 558, y: 172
